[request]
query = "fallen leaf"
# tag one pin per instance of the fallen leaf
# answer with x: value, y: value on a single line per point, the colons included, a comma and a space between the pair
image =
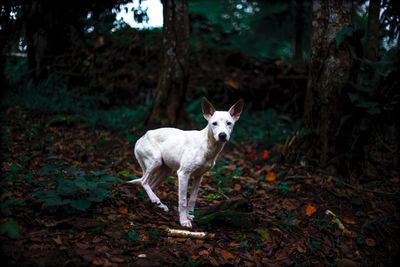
x: 58, y: 240
x: 370, y: 242
x: 232, y: 84
x: 281, y: 255
x: 123, y: 210
x: 97, y: 239
x: 117, y: 259
x: 310, y: 209
x: 213, y: 261
x: 349, y: 220
x: 270, y: 177
x: 227, y: 255
x: 204, y: 252
x: 97, y: 261
x: 248, y: 179
x: 345, y: 263
x: 124, y: 173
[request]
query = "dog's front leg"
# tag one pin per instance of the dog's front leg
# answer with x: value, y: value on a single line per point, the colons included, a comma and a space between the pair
x: 193, y: 197
x: 183, y: 180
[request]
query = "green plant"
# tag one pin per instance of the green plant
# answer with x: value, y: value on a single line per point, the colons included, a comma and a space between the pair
x: 283, y: 188
x: 11, y: 229
x: 133, y: 236
x: 78, y: 194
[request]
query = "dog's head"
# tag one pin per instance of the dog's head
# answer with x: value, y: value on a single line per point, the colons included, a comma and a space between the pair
x: 221, y: 122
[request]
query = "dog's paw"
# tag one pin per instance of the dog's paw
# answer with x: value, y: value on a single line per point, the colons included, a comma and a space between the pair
x: 163, y: 207
x: 186, y: 223
x: 190, y: 217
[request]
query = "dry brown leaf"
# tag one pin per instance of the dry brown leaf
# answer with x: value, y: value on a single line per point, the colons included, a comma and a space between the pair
x: 97, y: 261
x: 58, y: 240
x: 123, y: 210
x: 204, y: 252
x: 97, y: 239
x: 227, y: 255
x: 270, y: 177
x: 310, y: 209
x: 117, y: 259
x: 232, y: 84
x: 213, y: 261
x: 370, y: 242
x: 349, y: 220
x: 281, y: 255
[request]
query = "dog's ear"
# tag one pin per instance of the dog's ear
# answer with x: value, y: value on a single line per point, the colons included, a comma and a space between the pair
x: 208, y: 109
x: 236, y: 109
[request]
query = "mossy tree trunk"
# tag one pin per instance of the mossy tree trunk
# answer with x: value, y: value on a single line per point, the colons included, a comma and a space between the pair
x: 330, y: 71
x: 172, y: 84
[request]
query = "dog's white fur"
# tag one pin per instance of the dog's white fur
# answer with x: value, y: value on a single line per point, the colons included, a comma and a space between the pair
x: 190, y: 154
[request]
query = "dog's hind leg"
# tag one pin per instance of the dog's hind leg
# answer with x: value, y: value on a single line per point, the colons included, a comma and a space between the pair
x: 159, y: 177
x: 151, y: 170
x: 140, y: 161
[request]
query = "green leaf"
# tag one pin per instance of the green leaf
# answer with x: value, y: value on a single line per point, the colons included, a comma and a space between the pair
x: 25, y: 158
x: 66, y: 187
x: 11, y: 229
x: 110, y: 179
x: 82, y: 183
x: 53, y: 201
x: 264, y: 235
x: 345, y: 32
x: 374, y: 110
x: 133, y: 236
x: 284, y: 188
x: 124, y: 173
x: 211, y: 196
x: 14, y: 168
x: 28, y: 177
x: 353, y: 97
x: 99, y: 195
x: 80, y: 204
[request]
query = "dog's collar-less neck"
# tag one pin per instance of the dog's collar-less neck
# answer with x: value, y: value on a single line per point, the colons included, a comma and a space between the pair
x: 214, y: 147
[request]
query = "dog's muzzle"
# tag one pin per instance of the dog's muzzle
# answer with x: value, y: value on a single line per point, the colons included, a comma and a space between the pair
x: 222, y: 137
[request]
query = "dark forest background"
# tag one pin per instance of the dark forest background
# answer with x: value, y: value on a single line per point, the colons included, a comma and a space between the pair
x: 319, y: 80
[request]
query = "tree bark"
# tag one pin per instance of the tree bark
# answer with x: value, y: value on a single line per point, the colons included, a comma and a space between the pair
x: 329, y: 73
x: 299, y: 32
x: 373, y: 30
x: 172, y: 84
x: 48, y: 26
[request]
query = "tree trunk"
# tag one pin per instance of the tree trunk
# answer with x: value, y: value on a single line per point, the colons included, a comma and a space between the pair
x: 373, y: 30
x: 172, y: 84
x: 299, y: 32
x: 5, y: 28
x: 329, y: 73
x: 47, y: 28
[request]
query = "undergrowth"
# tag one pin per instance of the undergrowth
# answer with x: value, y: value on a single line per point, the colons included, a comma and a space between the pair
x: 53, y: 96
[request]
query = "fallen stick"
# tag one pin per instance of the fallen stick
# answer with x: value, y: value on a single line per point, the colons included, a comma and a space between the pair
x: 185, y: 233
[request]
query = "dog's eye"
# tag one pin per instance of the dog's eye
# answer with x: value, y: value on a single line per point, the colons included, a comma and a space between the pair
x: 215, y: 123
x: 229, y: 123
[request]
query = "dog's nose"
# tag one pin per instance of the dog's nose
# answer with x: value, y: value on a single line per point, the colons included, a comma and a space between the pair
x: 222, y: 136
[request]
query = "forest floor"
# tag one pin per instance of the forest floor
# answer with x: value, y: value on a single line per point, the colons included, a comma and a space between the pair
x: 64, y: 203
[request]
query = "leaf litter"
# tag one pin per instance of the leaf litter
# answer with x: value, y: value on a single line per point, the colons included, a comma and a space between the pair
x: 285, y: 206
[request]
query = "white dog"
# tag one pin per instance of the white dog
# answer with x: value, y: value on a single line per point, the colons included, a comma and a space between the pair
x: 190, y: 154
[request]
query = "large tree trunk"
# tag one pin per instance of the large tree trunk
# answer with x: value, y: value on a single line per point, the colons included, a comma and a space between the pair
x: 330, y: 69
x: 299, y: 32
x: 172, y: 84
x: 47, y: 28
x: 373, y: 30
x: 5, y: 27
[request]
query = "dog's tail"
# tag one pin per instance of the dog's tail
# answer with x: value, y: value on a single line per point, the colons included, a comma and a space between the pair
x: 136, y: 181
